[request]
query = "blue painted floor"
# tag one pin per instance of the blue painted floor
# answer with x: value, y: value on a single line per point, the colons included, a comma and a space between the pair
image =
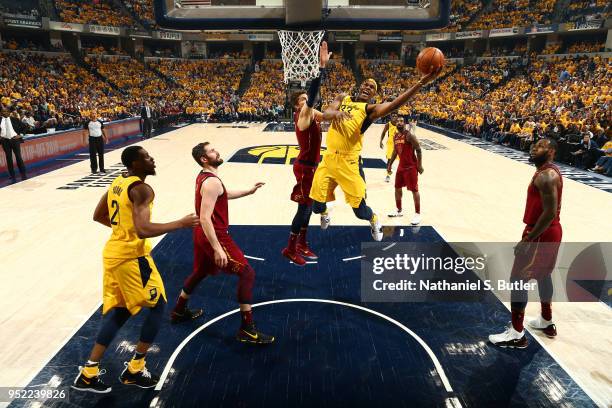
x: 325, y: 355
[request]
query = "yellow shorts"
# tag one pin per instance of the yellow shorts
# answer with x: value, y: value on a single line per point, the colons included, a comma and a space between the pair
x: 338, y: 170
x: 389, y: 151
x: 131, y: 283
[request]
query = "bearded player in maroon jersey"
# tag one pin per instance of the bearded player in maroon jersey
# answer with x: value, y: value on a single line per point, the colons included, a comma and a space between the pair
x: 406, y: 146
x: 536, y: 254
x: 214, y: 248
x: 307, y: 122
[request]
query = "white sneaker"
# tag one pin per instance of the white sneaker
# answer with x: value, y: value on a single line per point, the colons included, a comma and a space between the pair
x: 509, y: 338
x: 396, y: 213
x: 416, y: 220
x: 388, y: 178
x: 376, y: 227
x: 546, y: 326
x: 325, y: 220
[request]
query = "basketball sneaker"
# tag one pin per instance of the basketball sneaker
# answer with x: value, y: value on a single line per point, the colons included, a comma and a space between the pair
x: 376, y: 228
x: 509, y: 338
x: 325, y: 220
x: 306, y: 252
x: 250, y: 334
x: 416, y: 220
x: 90, y: 384
x: 396, y: 213
x: 142, y: 379
x: 293, y: 257
x: 546, y: 326
x: 186, y: 316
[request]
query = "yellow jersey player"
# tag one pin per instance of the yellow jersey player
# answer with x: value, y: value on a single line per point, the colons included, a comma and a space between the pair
x: 390, y: 130
x: 131, y: 279
x: 341, y: 164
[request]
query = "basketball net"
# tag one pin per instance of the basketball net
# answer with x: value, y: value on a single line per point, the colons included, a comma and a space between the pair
x: 300, y: 52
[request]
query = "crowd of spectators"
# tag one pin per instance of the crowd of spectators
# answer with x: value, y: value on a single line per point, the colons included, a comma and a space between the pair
x: 339, y: 78
x: 584, y: 10
x: 26, y: 8
x: 213, y: 85
x: 565, y: 98
x: 377, y: 54
x: 230, y: 55
x: 461, y: 12
x: 140, y: 83
x: 265, y: 97
x: 144, y: 10
x: 584, y: 47
x: 514, y: 13
x: 22, y: 44
x: 101, y: 49
x: 54, y: 92
x: 101, y: 12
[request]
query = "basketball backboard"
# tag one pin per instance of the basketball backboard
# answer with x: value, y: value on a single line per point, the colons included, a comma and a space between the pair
x: 380, y: 15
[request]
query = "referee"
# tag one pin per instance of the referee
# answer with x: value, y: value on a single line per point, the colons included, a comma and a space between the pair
x: 97, y: 139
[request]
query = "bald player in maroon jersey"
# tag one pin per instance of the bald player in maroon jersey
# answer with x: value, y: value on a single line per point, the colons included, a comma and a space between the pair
x: 214, y: 248
x: 406, y: 146
x: 536, y: 253
x: 307, y: 122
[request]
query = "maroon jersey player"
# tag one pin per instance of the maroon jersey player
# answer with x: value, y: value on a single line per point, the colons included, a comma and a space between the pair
x: 307, y: 122
x: 214, y: 248
x: 407, y: 147
x: 536, y: 253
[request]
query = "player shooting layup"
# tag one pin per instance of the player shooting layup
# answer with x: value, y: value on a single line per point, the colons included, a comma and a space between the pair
x: 341, y: 163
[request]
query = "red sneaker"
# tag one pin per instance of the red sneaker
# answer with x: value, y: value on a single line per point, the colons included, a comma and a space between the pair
x: 293, y: 257
x: 306, y: 252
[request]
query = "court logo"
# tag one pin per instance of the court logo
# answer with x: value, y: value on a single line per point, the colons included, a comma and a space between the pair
x: 284, y: 154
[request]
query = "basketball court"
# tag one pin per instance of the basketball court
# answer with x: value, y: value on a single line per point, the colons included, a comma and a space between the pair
x: 331, y: 348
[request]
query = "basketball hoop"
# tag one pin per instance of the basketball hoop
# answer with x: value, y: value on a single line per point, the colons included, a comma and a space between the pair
x: 300, y: 52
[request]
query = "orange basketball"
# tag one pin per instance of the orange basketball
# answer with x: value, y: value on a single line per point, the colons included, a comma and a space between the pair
x: 429, y: 59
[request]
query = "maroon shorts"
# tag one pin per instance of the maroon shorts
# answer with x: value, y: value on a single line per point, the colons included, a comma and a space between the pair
x: 303, y: 175
x: 408, y: 178
x: 540, y: 258
x: 204, y: 255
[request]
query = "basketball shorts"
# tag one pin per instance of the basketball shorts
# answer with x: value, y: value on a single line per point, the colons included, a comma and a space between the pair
x: 389, y: 152
x: 337, y: 169
x: 541, y: 257
x: 407, y: 177
x: 131, y: 283
x: 303, y: 175
x: 204, y: 255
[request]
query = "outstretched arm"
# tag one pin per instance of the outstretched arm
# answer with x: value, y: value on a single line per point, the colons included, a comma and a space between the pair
x: 379, y: 110
x: 241, y: 193
x: 307, y: 114
x: 142, y: 195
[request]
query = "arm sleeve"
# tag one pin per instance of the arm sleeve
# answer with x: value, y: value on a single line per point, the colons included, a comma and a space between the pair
x: 313, y: 90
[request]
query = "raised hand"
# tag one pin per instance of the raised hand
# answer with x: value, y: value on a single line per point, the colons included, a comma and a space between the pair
x: 324, y: 56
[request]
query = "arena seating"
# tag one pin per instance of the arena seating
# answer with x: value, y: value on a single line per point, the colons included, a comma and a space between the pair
x: 262, y: 100
x: 56, y: 90
x: 339, y: 79
x: 510, y: 13
x: 102, y: 12
x: 213, y: 84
